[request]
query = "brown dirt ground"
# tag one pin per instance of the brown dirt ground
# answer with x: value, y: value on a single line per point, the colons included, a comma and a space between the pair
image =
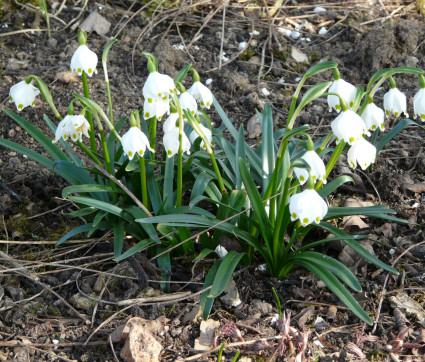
x: 37, y: 280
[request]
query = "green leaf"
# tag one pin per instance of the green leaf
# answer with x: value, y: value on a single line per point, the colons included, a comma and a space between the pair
x: 391, y: 71
x: 118, y: 237
x: 353, y: 244
x: 164, y: 263
x: 141, y: 245
x: 203, y: 254
x: 313, y: 93
x: 335, y: 285
x: 395, y: 131
x: 73, y: 232
x: 107, y: 48
x: 257, y: 204
x: 112, y: 209
x: 333, y: 185
x: 321, y: 67
x: 87, y: 188
x: 330, y: 264
x: 206, y: 302
x: 39, y: 136
x: 168, y: 194
x: 224, y: 273
x: 180, y: 75
x: 201, y: 182
x: 335, y: 212
x: 43, y: 161
x: 268, y: 145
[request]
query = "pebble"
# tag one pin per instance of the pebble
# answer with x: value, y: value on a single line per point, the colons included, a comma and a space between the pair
x: 52, y: 42
x: 323, y: 31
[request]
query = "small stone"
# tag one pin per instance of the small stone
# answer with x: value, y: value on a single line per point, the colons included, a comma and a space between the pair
x: 254, y: 127
x: 230, y: 295
x: 52, y: 43
x: 206, y: 338
x: 258, y: 306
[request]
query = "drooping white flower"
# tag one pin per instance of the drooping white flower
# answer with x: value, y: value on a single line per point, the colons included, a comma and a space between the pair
x: 419, y: 104
x: 171, y: 142
x: 188, y: 102
x: 395, y: 102
x: 349, y: 127
x: 202, y: 94
x: 135, y: 141
x: 170, y: 122
x: 73, y: 127
x: 84, y: 60
x: 361, y: 152
x: 23, y: 94
x: 317, y: 168
x: 346, y: 90
x: 373, y: 117
x: 158, y: 85
x: 207, y: 132
x: 308, y: 207
x: 156, y: 107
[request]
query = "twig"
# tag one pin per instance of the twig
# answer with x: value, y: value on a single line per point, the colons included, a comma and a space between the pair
x: 220, y: 59
x: 383, y: 293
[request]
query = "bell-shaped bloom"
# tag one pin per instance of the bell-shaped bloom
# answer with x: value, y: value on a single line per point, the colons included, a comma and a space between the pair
x: 73, y: 127
x: 361, y: 152
x: 84, y: 60
x: 156, y: 107
x: 419, y: 104
x: 373, y: 117
x: 349, y: 127
x: 308, y: 207
x: 346, y: 90
x: 171, y: 142
x: 395, y: 102
x: 158, y: 86
x: 201, y: 93
x: 188, y: 102
x: 135, y: 141
x: 317, y: 168
x: 206, y: 131
x: 170, y: 122
x: 23, y: 94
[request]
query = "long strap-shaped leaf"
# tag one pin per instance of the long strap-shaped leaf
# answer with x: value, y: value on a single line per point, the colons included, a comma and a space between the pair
x: 335, y: 285
x: 39, y: 136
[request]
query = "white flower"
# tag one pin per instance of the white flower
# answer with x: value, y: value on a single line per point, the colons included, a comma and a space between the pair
x: 361, y: 152
x: 84, y: 60
x: 373, y: 117
x: 72, y: 126
x: 317, y: 168
x: 23, y: 94
x: 171, y: 142
x: 188, y: 102
x: 221, y: 251
x: 170, y: 122
x: 156, y: 107
x: 346, y: 90
x: 348, y: 126
x: 135, y: 141
x: 419, y: 104
x: 202, y: 94
x: 207, y: 132
x: 395, y: 102
x: 158, y: 85
x: 308, y: 207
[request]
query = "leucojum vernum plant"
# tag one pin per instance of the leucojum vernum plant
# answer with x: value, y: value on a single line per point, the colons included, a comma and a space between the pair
x: 183, y: 193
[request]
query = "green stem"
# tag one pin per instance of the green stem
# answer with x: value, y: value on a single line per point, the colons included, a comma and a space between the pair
x: 324, y: 143
x: 291, y: 242
x: 153, y: 131
x: 105, y: 151
x: 145, y: 198
x: 89, y: 115
x: 332, y: 161
x: 111, y: 110
x: 179, y: 191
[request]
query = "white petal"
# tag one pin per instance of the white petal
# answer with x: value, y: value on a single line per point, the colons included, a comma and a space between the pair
x: 170, y: 122
x: 158, y: 85
x: 188, y: 102
x: 171, y: 142
x: 73, y: 127
x: 156, y: 107
x: 206, y: 131
x: 23, y: 95
x: 361, y: 152
x: 348, y: 126
x: 373, y: 117
x: 135, y: 141
x: 395, y: 102
x: 346, y: 90
x: 308, y: 207
x: 202, y: 94
x: 84, y: 60
x: 419, y: 104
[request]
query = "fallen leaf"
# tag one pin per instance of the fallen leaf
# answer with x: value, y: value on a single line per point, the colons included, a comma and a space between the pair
x: 206, y: 338
x: 96, y: 22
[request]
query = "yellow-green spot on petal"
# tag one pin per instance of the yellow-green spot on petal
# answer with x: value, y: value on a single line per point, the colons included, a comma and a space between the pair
x: 169, y: 153
x: 130, y: 154
x: 79, y: 70
x: 396, y: 114
x: 302, y: 178
x: 305, y: 220
x: 353, y: 164
x: 351, y: 139
x: 21, y: 106
x: 314, y: 178
x: 382, y: 126
x: 202, y: 103
x: 33, y: 103
x: 318, y: 219
x: 351, y: 104
x: 160, y: 95
x: 164, y: 98
x: 193, y: 112
x: 147, y: 115
x: 208, y: 104
x: 141, y: 153
x: 11, y: 99
x: 365, y: 165
x: 422, y: 115
x: 373, y: 127
x: 90, y: 71
x: 74, y: 136
x: 294, y: 215
x: 149, y: 100
x: 387, y: 113
x: 337, y: 107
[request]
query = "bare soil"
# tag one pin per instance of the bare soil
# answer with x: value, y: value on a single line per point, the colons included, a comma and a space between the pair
x: 63, y: 303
